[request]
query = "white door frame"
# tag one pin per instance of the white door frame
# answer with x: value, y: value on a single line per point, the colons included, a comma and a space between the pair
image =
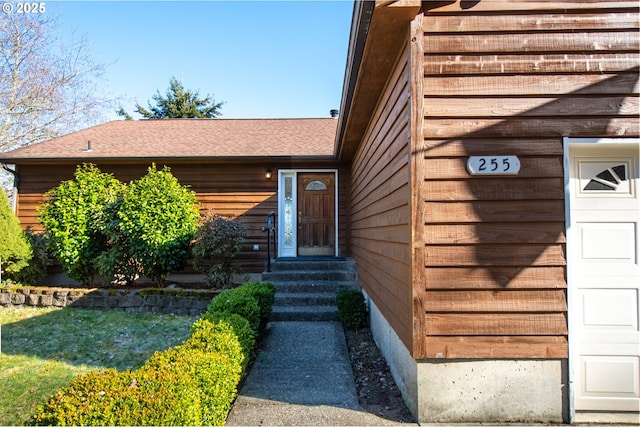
x: 573, y: 315
x: 288, y: 218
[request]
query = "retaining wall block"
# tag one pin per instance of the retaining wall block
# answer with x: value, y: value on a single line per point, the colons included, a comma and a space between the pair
x: 46, y: 300
x: 60, y: 298
x: 5, y: 298
x: 166, y: 300
x: 112, y: 301
x: 18, y: 299
x: 33, y: 300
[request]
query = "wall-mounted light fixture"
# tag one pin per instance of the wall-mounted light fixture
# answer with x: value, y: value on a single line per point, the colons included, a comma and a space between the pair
x: 268, y: 174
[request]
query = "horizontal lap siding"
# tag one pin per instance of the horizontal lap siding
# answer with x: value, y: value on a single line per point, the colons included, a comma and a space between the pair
x: 237, y: 192
x: 511, y: 83
x: 34, y: 182
x: 379, y: 205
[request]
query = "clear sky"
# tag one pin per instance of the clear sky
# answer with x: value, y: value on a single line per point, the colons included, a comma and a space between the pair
x: 262, y: 58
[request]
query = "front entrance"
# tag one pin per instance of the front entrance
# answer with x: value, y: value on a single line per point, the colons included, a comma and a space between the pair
x: 604, y: 275
x: 307, y: 213
x: 316, y: 214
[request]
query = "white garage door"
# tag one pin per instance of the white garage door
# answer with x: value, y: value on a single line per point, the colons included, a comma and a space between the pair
x: 604, y: 275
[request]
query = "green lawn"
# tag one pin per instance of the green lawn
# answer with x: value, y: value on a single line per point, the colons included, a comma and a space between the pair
x: 42, y: 349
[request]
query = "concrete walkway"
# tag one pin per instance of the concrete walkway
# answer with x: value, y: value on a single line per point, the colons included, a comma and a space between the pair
x: 302, y: 376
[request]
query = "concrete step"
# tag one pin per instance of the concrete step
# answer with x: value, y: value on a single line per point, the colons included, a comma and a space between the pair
x: 306, y: 288
x: 309, y: 275
x: 304, y: 314
x: 305, y: 299
x: 313, y: 286
x: 325, y: 263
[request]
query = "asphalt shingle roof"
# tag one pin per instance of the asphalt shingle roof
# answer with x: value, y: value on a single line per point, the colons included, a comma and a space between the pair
x: 188, y: 139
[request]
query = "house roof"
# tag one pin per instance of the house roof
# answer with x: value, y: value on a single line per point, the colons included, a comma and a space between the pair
x: 187, y: 139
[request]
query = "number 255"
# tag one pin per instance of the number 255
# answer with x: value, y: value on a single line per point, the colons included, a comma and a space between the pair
x: 493, y: 164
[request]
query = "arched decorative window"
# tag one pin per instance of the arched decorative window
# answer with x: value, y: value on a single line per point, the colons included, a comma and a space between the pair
x: 608, y: 180
x: 316, y: 185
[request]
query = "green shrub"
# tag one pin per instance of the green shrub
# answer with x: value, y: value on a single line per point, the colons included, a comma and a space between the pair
x: 157, y: 218
x: 213, y: 331
x: 98, y: 225
x: 216, y: 374
x: 117, y: 264
x: 159, y: 396
x: 217, y: 242
x: 74, y: 217
x: 37, y: 268
x: 217, y: 337
x: 264, y: 293
x: 352, y: 309
x: 240, y: 302
x: 15, y: 252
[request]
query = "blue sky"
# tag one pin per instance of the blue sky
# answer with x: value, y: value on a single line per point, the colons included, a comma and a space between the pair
x: 263, y: 58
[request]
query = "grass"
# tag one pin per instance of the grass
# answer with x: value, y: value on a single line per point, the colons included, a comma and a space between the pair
x: 42, y: 349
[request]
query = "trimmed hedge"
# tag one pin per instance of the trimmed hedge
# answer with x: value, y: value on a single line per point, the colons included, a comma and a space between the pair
x: 265, y: 294
x: 217, y: 376
x: 143, y: 397
x: 232, y: 302
x: 194, y: 383
x: 253, y: 301
x: 233, y: 327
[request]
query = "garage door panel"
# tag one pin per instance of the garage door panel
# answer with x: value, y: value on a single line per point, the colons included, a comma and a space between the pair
x: 613, y: 376
x: 612, y: 309
x: 610, y: 383
x: 608, y: 242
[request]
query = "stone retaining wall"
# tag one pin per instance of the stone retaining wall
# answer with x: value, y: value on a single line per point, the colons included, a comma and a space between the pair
x: 191, y: 302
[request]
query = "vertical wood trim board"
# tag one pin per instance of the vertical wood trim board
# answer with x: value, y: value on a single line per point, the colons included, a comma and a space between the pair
x: 418, y: 170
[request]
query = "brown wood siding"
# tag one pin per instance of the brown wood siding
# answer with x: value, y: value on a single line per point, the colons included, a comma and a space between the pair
x: 231, y: 190
x: 500, y: 79
x: 380, y: 209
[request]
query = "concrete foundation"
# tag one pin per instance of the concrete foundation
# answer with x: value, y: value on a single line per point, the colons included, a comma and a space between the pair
x: 492, y: 391
x: 474, y: 391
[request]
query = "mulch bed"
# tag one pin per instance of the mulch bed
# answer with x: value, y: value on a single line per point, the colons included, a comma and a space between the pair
x: 377, y: 391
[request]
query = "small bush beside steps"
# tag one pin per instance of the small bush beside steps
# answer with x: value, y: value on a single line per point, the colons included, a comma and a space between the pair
x: 352, y: 308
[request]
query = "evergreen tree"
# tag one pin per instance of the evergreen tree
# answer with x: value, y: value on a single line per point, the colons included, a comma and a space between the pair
x: 179, y: 103
x: 15, y: 251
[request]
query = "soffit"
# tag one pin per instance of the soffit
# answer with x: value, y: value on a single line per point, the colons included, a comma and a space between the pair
x: 378, y: 33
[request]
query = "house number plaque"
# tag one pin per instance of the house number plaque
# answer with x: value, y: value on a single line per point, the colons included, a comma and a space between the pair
x: 493, y: 165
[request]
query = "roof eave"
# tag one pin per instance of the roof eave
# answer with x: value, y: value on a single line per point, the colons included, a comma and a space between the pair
x: 159, y: 159
x: 378, y: 29
x: 360, y: 21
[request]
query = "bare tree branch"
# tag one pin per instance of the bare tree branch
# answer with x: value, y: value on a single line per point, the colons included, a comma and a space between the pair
x: 45, y: 89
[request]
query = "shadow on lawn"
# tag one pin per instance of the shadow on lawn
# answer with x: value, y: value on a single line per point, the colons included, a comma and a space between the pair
x: 100, y: 338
